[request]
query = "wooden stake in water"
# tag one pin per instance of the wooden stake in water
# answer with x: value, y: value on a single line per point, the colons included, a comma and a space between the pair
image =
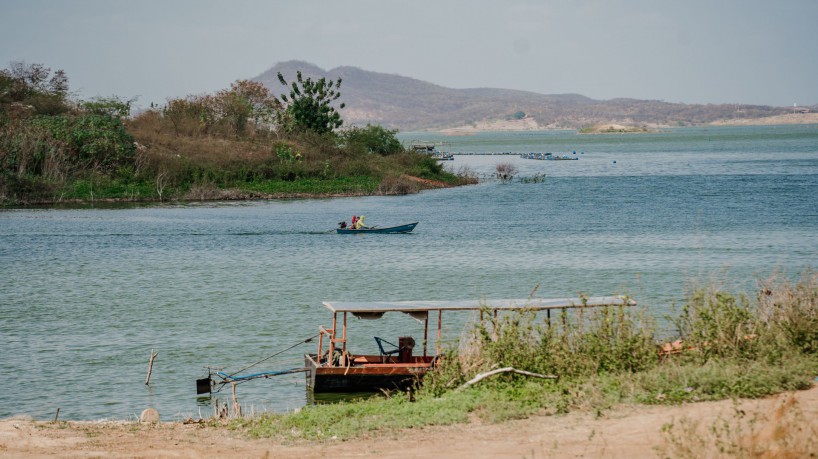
x: 150, y: 367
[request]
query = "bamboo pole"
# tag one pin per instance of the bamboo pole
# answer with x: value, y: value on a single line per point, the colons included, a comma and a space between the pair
x: 150, y: 366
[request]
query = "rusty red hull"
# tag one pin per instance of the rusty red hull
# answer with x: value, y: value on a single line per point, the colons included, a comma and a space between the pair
x: 365, y: 375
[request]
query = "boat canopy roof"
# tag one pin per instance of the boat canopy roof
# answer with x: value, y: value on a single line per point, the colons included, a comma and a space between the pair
x: 379, y: 307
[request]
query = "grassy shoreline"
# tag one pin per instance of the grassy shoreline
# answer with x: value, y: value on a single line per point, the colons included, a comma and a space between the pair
x: 694, y: 403
x: 84, y: 193
x: 732, y: 347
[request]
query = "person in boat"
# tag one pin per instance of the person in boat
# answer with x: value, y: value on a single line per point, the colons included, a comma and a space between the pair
x: 359, y: 224
x: 354, y: 220
x: 342, y: 224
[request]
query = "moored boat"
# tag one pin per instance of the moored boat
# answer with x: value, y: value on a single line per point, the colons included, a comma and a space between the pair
x: 335, y: 368
x: 548, y: 156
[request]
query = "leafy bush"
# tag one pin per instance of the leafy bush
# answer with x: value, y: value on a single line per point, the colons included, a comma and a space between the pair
x: 718, y: 324
x: 57, y: 147
x: 96, y: 143
x: 372, y: 139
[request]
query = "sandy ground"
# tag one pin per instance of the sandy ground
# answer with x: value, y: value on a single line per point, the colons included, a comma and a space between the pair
x: 631, y: 431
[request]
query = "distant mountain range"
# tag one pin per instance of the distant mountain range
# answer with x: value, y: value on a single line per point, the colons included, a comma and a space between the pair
x: 408, y: 104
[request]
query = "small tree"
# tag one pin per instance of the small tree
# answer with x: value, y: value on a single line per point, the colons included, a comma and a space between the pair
x: 246, y: 101
x: 309, y: 105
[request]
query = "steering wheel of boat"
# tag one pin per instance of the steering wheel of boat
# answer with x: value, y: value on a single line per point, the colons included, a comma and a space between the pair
x: 385, y: 353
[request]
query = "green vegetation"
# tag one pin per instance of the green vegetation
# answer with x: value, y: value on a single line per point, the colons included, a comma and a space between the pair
x: 730, y: 346
x: 309, y: 106
x: 505, y: 172
x: 536, y: 178
x: 240, y: 143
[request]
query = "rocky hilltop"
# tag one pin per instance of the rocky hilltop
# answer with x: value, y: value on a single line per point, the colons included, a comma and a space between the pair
x: 407, y: 104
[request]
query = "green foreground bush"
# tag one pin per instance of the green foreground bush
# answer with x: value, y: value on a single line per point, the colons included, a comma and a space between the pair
x: 732, y: 348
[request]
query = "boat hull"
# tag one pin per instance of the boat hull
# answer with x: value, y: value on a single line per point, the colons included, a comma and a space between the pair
x: 407, y: 228
x: 368, y: 378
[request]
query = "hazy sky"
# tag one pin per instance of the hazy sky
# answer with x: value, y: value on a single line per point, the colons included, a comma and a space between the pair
x: 692, y: 51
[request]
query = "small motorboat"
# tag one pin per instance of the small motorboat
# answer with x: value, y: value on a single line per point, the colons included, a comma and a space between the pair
x: 407, y: 228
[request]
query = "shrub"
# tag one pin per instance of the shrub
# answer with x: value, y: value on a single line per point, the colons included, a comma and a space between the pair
x: 505, y: 172
x: 718, y: 324
x: 574, y: 345
x: 372, y: 139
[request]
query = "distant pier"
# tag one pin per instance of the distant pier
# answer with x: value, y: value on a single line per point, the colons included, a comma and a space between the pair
x: 487, y: 153
x: 440, y: 149
x: 509, y: 153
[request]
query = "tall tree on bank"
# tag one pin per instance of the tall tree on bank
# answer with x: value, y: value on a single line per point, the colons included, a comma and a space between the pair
x: 309, y: 105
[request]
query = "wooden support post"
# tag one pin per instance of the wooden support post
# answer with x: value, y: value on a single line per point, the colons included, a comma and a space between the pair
x: 332, y: 337
x: 57, y: 416
x: 345, y: 334
x: 320, y: 344
x: 494, y: 335
x: 150, y: 367
x: 236, y: 406
x: 439, y: 327
x: 425, y: 332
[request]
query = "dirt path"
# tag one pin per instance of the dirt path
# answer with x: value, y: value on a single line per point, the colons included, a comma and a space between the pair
x: 626, y: 432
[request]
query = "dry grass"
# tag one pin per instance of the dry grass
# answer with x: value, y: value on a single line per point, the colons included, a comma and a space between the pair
x: 781, y: 432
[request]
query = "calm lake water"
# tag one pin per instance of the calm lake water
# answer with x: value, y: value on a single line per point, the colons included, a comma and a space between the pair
x: 87, y: 294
